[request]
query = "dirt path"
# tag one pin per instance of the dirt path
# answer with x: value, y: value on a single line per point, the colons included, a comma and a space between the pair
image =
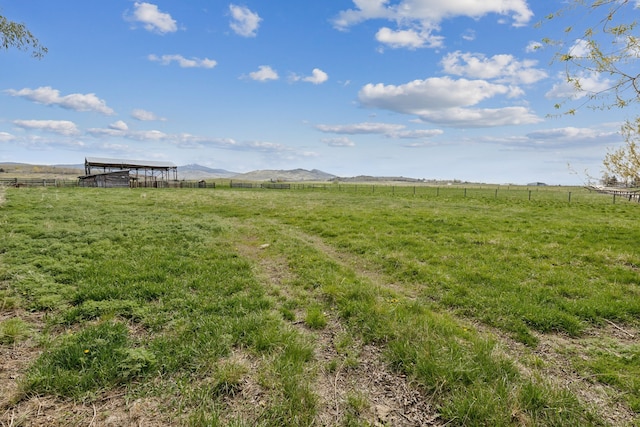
x: 388, y: 393
x: 352, y: 382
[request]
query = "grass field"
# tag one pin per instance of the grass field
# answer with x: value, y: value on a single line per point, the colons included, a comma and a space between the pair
x: 339, y: 305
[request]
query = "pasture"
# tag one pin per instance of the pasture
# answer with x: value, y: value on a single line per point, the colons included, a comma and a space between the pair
x: 325, y: 305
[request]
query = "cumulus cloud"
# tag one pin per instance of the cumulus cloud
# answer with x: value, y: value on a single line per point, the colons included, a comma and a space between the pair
x: 146, y: 116
x: 389, y: 130
x: 588, y: 84
x: 434, y: 93
x: 502, y: 68
x: 152, y: 18
x: 244, y: 22
x: 445, y: 101
x: 317, y: 77
x: 61, y: 127
x: 264, y: 74
x: 119, y: 126
x: 76, y: 101
x: 410, y: 39
x: 418, y: 19
x: 183, y: 62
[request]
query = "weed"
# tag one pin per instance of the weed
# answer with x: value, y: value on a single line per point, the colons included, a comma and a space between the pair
x: 315, y: 318
x: 8, y: 301
x: 228, y: 377
x: 14, y: 330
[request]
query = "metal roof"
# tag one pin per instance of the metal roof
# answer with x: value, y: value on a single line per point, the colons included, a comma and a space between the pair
x: 124, y: 164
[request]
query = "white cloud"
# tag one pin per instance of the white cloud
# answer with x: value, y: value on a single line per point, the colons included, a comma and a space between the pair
x: 410, y: 39
x: 188, y: 141
x: 434, y: 93
x: 533, y: 46
x: 503, y: 68
x: 361, y: 128
x: 61, y: 127
x: 243, y: 21
x: 389, y: 130
x: 580, y: 49
x: 317, y: 77
x: 443, y: 100
x: 469, y: 35
x: 567, y: 137
x: 146, y: 116
x: 342, y: 141
x: 425, y: 16
x: 264, y: 74
x: 118, y: 130
x: 417, y: 134
x: 6, y: 137
x: 76, y: 101
x: 152, y: 19
x: 571, y: 134
x: 590, y: 84
x: 480, y: 117
x: 183, y: 62
x: 119, y: 126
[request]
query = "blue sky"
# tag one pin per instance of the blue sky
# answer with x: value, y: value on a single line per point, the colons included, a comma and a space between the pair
x: 435, y: 89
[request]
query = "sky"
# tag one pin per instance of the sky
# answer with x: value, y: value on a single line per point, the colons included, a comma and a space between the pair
x: 433, y: 89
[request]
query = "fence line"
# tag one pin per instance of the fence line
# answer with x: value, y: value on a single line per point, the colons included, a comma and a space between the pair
x: 568, y: 194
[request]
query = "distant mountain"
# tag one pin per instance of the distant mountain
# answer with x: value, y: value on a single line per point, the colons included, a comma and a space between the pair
x: 195, y: 171
x: 295, y: 175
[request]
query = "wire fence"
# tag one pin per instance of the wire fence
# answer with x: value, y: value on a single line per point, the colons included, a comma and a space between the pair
x: 420, y: 190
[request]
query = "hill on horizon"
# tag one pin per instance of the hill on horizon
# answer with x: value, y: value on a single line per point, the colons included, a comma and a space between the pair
x: 195, y: 171
x: 286, y: 175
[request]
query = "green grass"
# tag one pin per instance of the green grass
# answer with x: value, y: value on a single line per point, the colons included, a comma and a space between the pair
x: 154, y: 291
x: 14, y: 330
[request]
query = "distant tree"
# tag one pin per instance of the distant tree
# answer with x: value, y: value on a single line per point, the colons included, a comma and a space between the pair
x: 609, y: 180
x: 13, y: 34
x: 624, y: 162
x: 601, y: 54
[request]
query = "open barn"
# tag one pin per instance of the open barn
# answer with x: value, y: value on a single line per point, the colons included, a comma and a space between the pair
x: 103, y: 172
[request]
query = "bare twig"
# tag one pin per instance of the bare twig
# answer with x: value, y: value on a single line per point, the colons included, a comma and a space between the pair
x: 619, y: 328
x: 95, y: 414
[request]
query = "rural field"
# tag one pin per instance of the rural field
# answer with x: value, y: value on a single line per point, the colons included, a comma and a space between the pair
x: 333, y: 305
